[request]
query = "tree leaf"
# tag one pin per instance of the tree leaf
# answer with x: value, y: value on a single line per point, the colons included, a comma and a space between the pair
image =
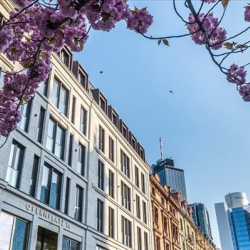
x: 165, y: 41
x: 228, y: 45
x: 224, y: 3
x: 159, y: 42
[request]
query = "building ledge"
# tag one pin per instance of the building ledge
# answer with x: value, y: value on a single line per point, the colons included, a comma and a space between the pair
x: 3, y: 183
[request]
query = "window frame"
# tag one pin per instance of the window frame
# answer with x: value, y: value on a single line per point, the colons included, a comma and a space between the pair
x: 40, y: 126
x: 54, y: 136
x: 51, y: 171
x: 125, y: 164
x: 83, y: 120
x: 111, y: 183
x: 78, y: 211
x: 111, y: 222
x: 101, y: 174
x: 100, y: 216
x: 83, y: 156
x: 101, y: 139
x: 126, y: 196
x: 34, y: 176
x: 13, y: 166
x: 60, y: 87
x: 111, y: 149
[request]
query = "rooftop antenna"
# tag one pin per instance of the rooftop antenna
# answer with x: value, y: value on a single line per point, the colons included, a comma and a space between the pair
x: 161, y: 149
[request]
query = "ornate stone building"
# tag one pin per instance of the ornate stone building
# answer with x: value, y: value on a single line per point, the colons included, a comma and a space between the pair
x: 173, y: 226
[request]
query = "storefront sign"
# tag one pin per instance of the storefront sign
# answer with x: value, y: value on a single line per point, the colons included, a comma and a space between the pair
x: 48, y: 216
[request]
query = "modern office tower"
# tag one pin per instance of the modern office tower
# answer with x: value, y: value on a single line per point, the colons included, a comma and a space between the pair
x: 171, y: 176
x: 233, y: 217
x: 201, y: 218
x: 72, y: 176
x: 173, y: 226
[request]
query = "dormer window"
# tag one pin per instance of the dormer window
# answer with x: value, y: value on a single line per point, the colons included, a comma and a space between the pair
x: 65, y: 57
x: 114, y: 118
x: 82, y: 79
x: 133, y: 143
x: 103, y: 104
x: 124, y: 131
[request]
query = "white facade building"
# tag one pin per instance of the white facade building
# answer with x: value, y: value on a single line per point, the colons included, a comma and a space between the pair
x: 72, y: 176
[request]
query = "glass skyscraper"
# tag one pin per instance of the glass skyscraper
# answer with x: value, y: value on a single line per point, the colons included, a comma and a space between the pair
x: 233, y: 218
x: 171, y: 176
x: 201, y: 218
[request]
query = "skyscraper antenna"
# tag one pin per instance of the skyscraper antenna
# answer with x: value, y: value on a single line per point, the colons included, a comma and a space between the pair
x: 161, y: 149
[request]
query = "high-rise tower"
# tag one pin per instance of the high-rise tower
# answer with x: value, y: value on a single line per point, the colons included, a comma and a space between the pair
x: 233, y: 217
x: 171, y: 176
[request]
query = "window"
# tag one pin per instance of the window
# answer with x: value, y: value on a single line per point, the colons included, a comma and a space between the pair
x: 125, y: 164
x: 138, y: 207
x: 1, y: 70
x: 137, y: 177
x: 114, y: 118
x: 14, y: 232
x: 69, y: 244
x: 126, y: 232
x: 25, y: 109
x: 165, y: 225
x: 103, y: 104
x: 144, y: 207
x: 100, y: 175
x: 60, y: 97
x: 158, y: 243
x: 139, y: 241
x: 111, y: 222
x: 111, y: 149
x: 181, y: 224
x: 71, y: 142
x: 101, y: 139
x: 65, y: 57
x: 162, y: 201
x: 81, y: 159
x: 51, y: 187
x: 78, y: 204
x: 40, y: 125
x: 143, y: 188
x: 156, y: 216
x: 82, y: 79
x: 73, y: 110
x: 33, y: 181
x: 124, y: 131
x: 146, y: 241
x: 66, y: 204
x: 15, y: 164
x: 46, y: 239
x: 55, y: 138
x: 126, y: 197
x: 111, y: 183
x: 83, y: 120
x: 45, y: 87
x: 153, y: 191
x: 100, y: 212
x: 167, y: 247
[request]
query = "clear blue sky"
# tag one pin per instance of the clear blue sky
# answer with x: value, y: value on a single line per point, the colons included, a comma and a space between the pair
x: 205, y: 125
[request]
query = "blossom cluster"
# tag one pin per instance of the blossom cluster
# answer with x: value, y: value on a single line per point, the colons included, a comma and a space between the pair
x: 210, y: 30
x: 36, y: 31
x: 247, y: 13
x: 237, y: 75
